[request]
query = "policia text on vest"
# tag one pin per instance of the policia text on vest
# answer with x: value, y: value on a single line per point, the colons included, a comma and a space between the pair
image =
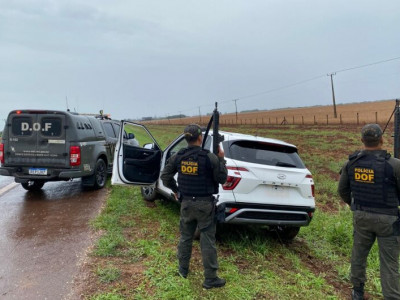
x: 189, y: 168
x: 364, y: 175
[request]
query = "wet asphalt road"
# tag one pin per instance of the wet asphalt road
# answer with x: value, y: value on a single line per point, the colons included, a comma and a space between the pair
x: 43, y: 236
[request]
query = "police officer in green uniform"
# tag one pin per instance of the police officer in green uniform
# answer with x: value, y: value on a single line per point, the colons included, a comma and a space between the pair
x: 370, y: 184
x: 199, y: 174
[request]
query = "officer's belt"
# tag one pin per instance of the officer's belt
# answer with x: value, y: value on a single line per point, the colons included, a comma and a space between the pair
x: 192, y: 198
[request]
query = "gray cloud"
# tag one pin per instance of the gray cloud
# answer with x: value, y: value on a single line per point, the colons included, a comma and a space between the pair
x: 146, y: 58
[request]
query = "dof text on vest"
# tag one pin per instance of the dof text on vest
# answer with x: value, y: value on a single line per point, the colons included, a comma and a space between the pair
x: 372, y: 180
x: 195, y: 174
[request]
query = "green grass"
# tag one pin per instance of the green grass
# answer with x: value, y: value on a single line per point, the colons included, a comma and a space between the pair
x: 253, y: 260
x: 108, y: 274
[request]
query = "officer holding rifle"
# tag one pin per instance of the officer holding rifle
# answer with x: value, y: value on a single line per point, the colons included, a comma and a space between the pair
x: 199, y: 174
x: 370, y: 184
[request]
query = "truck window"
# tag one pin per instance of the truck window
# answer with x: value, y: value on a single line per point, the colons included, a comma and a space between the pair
x: 117, y: 128
x: 51, y: 126
x: 21, y: 126
x: 98, y: 130
x: 109, y: 130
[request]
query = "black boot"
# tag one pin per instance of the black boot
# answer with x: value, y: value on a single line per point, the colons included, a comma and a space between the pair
x: 216, y: 282
x: 183, y: 272
x: 357, y: 293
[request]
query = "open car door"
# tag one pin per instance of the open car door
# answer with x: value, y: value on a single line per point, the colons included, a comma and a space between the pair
x: 137, y: 156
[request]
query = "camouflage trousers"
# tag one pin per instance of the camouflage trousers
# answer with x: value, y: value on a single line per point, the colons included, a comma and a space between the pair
x: 198, y: 214
x: 369, y: 227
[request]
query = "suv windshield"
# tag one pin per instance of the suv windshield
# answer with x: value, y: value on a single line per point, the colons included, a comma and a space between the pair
x: 264, y: 154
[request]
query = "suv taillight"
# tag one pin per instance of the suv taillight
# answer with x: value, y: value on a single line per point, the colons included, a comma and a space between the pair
x: 233, y: 181
x: 312, y: 185
x: 74, y: 155
x: 2, y: 153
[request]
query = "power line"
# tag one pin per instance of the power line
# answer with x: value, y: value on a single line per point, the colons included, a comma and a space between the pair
x: 279, y: 88
x: 296, y: 83
x: 367, y: 65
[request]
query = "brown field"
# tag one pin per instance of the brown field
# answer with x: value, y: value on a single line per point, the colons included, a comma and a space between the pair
x: 355, y: 113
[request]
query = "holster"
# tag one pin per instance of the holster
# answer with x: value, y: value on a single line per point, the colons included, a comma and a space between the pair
x: 180, y: 197
x: 219, y: 215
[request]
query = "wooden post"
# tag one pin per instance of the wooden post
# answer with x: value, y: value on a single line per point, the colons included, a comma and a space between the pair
x: 341, y: 122
x: 358, y: 119
x: 269, y: 120
x: 293, y: 120
x: 327, y: 121
x: 376, y: 117
x: 302, y: 120
x: 315, y: 122
x: 276, y: 120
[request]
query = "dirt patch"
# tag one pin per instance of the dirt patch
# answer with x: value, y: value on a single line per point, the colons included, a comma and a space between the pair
x: 321, y: 268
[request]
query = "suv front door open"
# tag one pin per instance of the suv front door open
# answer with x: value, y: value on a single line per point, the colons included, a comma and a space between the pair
x: 137, y: 158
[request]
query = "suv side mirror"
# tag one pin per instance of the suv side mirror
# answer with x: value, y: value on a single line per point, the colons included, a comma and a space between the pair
x: 149, y: 146
x: 131, y: 136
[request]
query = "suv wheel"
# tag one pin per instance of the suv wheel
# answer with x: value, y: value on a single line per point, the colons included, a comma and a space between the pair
x: 149, y: 192
x: 100, y: 174
x: 287, y: 233
x: 33, y: 185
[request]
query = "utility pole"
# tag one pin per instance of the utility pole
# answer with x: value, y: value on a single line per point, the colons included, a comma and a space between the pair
x: 235, y: 100
x: 200, y: 114
x: 333, y: 95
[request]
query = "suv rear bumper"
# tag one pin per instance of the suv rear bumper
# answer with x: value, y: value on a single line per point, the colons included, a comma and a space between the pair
x: 21, y: 174
x: 243, y: 213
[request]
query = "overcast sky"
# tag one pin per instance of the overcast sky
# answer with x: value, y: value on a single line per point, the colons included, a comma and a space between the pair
x: 157, y: 58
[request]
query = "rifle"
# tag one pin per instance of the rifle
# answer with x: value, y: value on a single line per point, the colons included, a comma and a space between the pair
x: 219, y: 215
x: 396, y: 135
x: 217, y: 138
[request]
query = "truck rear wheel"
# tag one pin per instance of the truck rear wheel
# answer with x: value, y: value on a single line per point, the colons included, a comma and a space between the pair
x: 100, y: 174
x: 33, y: 185
x: 98, y: 179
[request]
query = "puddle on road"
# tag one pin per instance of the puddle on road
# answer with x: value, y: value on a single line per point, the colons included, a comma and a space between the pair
x: 42, y: 236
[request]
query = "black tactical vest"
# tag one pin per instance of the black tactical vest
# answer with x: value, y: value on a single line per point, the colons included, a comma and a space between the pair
x: 372, y: 181
x: 195, y: 173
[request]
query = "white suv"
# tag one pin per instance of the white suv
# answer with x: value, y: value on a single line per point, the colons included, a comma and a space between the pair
x: 267, y: 181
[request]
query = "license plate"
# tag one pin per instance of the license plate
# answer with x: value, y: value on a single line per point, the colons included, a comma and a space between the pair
x: 278, y: 191
x: 37, y: 171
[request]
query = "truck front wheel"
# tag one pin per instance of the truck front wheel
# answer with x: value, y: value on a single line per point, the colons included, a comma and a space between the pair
x: 33, y: 185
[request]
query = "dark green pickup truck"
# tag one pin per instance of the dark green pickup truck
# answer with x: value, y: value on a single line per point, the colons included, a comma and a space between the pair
x: 40, y: 146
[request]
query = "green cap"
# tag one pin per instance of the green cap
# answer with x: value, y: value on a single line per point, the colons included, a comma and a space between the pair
x: 192, y: 131
x: 371, y: 132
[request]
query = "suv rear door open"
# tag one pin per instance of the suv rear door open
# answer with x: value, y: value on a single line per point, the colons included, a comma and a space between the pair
x: 137, y: 158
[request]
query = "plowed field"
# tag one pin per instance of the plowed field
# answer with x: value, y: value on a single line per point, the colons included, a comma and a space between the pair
x: 355, y: 113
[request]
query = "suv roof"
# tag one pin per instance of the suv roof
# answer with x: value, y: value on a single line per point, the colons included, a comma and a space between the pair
x: 239, y: 136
